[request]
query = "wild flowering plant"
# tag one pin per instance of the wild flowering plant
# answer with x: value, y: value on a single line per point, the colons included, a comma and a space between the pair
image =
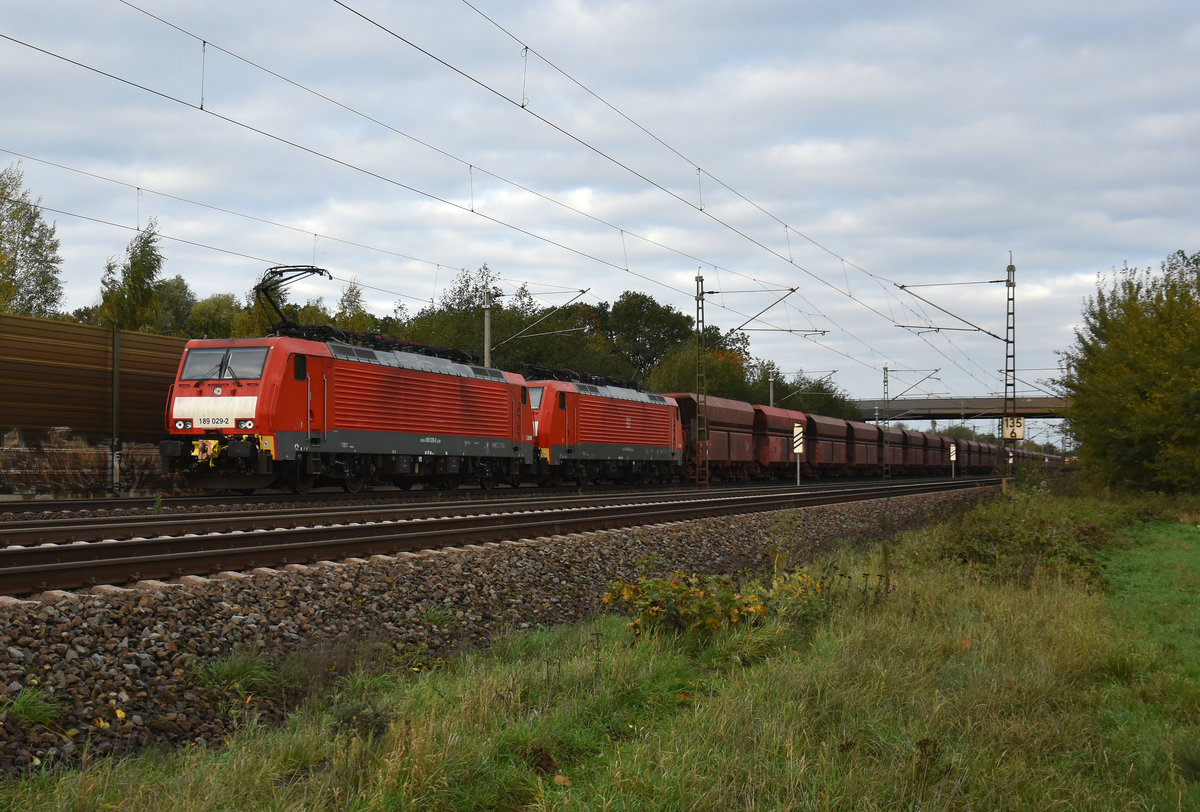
x: 682, y: 603
x: 702, y: 604
x: 796, y: 596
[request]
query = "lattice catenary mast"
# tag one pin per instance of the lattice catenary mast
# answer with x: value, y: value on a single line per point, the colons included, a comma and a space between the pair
x: 702, y: 471
x: 1009, y: 430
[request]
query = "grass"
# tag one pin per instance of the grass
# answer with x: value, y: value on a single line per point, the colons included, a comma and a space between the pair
x: 31, y: 706
x: 1156, y: 594
x: 1036, y: 653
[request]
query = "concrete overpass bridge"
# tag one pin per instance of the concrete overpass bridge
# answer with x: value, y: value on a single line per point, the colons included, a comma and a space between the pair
x: 952, y: 410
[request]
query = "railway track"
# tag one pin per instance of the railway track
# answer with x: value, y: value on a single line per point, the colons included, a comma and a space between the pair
x: 14, y: 509
x: 89, y: 521
x: 73, y: 554
x: 124, y: 504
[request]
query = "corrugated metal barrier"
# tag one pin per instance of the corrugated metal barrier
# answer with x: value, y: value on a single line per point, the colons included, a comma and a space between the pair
x: 105, y: 387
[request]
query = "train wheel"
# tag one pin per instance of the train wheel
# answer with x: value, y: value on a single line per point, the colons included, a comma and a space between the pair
x: 353, y: 484
x: 301, y: 482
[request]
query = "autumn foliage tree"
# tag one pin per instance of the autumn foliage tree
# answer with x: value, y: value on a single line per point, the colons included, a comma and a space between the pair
x: 1133, y: 377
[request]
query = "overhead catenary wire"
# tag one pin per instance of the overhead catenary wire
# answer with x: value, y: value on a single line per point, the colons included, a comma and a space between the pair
x: 612, y: 159
x: 878, y: 278
x: 339, y: 161
x: 699, y: 170
x: 100, y: 221
x: 222, y: 209
x: 470, y: 208
x: 624, y: 267
x: 346, y: 164
x: 205, y: 43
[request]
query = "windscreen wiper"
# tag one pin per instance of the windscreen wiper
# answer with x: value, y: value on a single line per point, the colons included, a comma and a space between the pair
x: 216, y: 370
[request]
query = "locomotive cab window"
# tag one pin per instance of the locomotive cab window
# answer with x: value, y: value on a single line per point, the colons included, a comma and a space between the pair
x: 245, y: 363
x: 224, y: 363
x: 535, y: 396
x: 300, y: 367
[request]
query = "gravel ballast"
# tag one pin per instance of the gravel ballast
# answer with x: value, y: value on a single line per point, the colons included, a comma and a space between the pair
x: 120, y: 665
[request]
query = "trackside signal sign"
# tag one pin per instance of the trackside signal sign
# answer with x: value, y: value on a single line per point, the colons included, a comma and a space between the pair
x: 1014, y: 428
x: 798, y: 438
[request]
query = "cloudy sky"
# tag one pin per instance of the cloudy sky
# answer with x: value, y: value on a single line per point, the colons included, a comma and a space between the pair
x: 874, y: 156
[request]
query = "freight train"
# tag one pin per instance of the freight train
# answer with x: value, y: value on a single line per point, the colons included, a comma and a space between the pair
x: 309, y: 405
x: 293, y: 412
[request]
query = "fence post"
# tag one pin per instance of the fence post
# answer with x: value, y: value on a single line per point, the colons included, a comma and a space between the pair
x: 116, y: 411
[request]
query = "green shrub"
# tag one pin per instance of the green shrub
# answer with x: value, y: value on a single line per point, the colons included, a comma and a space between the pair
x: 1030, y: 535
x: 796, y: 596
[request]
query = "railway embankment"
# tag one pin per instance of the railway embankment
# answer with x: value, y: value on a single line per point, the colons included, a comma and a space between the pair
x: 120, y: 667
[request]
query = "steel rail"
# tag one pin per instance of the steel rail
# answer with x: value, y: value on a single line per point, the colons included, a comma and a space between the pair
x: 374, y: 494
x: 55, y: 530
x: 58, y: 530
x: 71, y: 566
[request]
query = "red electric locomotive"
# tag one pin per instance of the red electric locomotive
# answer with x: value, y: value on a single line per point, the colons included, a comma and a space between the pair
x: 248, y: 413
x: 309, y: 404
x: 594, y: 429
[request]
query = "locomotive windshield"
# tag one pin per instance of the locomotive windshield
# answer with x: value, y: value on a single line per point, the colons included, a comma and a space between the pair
x: 234, y: 363
x: 535, y: 396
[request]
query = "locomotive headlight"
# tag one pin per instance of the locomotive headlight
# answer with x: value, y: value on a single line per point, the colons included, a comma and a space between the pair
x: 245, y: 424
x: 183, y: 424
